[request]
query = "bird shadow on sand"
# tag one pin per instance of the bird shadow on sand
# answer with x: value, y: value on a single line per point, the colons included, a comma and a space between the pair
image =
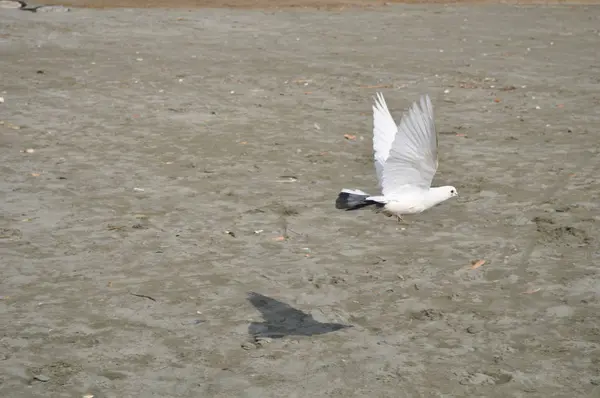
x: 282, y: 320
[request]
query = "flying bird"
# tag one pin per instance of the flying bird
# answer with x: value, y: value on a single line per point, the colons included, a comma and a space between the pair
x: 405, y: 162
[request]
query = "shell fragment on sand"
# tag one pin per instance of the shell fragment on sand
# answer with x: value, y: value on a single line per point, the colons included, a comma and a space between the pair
x: 11, y: 4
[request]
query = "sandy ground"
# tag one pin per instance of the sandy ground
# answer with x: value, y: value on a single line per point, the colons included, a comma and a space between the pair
x: 290, y: 4
x: 132, y: 140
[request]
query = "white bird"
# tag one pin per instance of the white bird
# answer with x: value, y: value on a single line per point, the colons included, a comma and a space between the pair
x: 405, y: 162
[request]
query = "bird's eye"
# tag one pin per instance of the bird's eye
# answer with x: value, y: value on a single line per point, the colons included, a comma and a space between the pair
x: 452, y: 191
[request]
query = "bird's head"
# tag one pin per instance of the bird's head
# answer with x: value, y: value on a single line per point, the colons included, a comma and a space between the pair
x: 450, y: 191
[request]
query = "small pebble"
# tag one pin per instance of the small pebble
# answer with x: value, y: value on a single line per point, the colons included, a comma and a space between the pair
x: 248, y: 346
x: 11, y: 4
x: 287, y: 179
x: 43, y: 378
x: 473, y: 329
x: 261, y: 341
x: 477, y: 379
x: 52, y: 9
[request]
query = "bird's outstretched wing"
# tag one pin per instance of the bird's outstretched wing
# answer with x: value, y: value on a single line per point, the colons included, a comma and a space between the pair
x: 412, y: 160
x: 384, y: 132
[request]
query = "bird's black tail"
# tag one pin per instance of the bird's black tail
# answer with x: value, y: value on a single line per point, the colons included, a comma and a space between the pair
x: 350, y: 199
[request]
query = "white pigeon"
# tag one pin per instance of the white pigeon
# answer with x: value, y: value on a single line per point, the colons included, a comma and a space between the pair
x: 405, y: 162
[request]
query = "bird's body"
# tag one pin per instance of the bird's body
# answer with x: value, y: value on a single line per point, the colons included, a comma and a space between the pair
x: 405, y: 162
x: 412, y: 201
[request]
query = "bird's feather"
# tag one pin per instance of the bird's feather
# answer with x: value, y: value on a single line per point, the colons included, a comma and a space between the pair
x: 412, y: 161
x: 384, y: 132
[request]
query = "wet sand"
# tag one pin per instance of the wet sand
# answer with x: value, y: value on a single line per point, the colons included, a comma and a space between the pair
x: 153, y: 244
